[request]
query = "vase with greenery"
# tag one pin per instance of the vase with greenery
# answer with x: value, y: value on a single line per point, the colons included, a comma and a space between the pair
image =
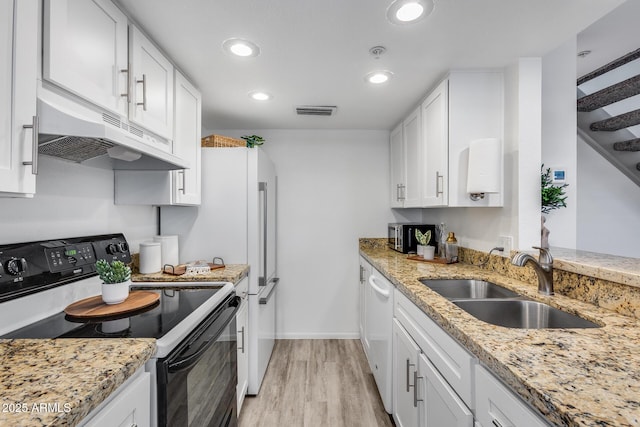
x: 253, y: 140
x: 552, y: 197
x: 423, y: 247
x: 116, y: 279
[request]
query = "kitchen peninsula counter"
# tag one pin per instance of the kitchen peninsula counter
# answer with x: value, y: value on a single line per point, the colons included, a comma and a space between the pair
x: 58, y: 382
x: 574, y: 377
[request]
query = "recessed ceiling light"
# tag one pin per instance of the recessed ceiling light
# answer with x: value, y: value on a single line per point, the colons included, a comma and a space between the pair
x: 259, y: 95
x: 241, y: 47
x: 407, y: 11
x: 378, y: 77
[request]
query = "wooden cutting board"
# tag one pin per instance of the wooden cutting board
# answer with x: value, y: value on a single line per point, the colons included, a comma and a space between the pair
x: 94, y: 306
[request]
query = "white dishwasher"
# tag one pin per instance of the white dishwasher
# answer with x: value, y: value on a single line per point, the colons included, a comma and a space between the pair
x: 378, y: 333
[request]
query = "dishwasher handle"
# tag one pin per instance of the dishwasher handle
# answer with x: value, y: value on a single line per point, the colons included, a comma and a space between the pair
x: 385, y: 293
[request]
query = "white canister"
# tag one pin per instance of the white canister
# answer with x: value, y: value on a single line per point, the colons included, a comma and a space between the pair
x: 150, y: 257
x: 169, y: 245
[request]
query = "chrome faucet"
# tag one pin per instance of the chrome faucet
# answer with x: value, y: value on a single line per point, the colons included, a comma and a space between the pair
x: 543, y: 268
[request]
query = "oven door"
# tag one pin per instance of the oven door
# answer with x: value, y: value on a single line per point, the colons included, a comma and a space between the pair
x: 197, y: 381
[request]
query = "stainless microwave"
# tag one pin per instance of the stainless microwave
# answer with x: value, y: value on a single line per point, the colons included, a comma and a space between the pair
x: 402, y: 236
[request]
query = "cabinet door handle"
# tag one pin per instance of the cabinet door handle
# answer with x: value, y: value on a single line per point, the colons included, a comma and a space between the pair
x: 397, y: 192
x: 144, y: 92
x: 415, y: 389
x: 35, y: 129
x: 242, y: 332
x: 409, y: 364
x: 184, y: 182
x: 439, y: 178
x: 361, y: 275
x: 127, y: 94
x: 403, y: 192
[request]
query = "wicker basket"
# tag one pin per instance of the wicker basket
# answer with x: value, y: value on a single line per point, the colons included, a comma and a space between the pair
x: 222, y: 141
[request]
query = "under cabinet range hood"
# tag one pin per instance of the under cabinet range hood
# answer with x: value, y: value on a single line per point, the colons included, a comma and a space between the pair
x: 79, y: 132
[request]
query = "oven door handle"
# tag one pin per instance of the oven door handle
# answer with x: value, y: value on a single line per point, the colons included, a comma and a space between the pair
x: 185, y: 363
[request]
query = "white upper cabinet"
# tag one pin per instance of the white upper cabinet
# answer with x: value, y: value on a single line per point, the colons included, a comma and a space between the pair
x: 19, y: 31
x: 186, y: 143
x: 85, y: 51
x: 435, y: 152
x: 412, y: 137
x: 180, y: 187
x: 396, y: 167
x: 151, y: 86
x: 476, y: 111
x: 466, y: 106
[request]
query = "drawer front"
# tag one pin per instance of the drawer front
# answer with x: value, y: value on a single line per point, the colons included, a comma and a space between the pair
x: 497, y: 406
x: 453, y: 362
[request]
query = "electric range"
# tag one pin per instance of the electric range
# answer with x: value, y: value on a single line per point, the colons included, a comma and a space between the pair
x: 194, y: 325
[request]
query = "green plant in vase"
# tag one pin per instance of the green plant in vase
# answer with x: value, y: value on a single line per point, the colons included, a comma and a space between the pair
x: 116, y: 278
x: 423, y: 248
x: 253, y: 140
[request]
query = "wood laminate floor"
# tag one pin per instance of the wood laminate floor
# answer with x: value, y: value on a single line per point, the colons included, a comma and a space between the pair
x: 316, y: 383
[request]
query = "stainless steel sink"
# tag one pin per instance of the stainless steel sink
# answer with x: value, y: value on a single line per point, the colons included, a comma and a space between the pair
x: 522, y: 314
x: 468, y: 288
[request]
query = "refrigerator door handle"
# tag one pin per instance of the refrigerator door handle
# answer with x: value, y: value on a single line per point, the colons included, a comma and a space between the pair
x: 262, y: 278
x: 265, y: 300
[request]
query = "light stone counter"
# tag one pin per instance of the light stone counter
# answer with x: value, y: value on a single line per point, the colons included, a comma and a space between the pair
x: 233, y: 273
x: 58, y: 382
x: 574, y: 377
x: 607, y: 267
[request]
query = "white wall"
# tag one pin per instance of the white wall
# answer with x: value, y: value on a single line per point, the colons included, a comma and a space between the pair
x: 73, y: 200
x: 608, y: 205
x: 559, y: 146
x: 332, y: 189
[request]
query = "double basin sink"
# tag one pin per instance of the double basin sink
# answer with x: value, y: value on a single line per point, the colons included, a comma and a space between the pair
x: 500, y: 306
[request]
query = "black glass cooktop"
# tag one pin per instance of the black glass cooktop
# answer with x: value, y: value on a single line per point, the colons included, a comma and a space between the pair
x: 153, y: 322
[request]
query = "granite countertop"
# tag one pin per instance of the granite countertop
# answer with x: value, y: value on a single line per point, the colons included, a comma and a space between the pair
x: 49, y: 382
x: 574, y: 377
x: 233, y: 273
x: 607, y: 267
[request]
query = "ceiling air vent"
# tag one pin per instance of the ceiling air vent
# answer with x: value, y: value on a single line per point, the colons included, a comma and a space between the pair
x: 316, y: 110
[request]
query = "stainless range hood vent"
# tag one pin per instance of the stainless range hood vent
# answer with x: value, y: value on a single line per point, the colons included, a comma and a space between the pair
x: 76, y: 131
x: 316, y: 110
x: 73, y: 148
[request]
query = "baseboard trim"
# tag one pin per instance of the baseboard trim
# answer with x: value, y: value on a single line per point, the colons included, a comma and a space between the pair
x: 318, y: 336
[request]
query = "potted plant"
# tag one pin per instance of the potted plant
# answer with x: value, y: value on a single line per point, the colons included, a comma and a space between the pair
x: 423, y: 247
x: 552, y: 197
x: 116, y: 279
x: 253, y: 140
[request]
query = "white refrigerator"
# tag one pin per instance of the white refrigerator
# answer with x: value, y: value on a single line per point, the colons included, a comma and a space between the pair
x: 236, y: 221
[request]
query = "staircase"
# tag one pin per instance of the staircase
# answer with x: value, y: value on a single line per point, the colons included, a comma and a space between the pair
x: 609, y: 112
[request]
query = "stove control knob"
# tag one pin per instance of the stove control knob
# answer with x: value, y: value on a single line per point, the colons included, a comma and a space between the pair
x: 112, y: 249
x: 15, y: 266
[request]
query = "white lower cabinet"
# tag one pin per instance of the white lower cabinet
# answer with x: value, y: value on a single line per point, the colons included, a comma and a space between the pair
x: 437, y: 382
x: 438, y: 403
x: 421, y: 395
x: 500, y: 407
x: 405, y: 369
x: 129, y: 405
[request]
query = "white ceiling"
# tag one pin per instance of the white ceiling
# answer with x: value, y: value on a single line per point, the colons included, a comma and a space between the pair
x: 315, y: 52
